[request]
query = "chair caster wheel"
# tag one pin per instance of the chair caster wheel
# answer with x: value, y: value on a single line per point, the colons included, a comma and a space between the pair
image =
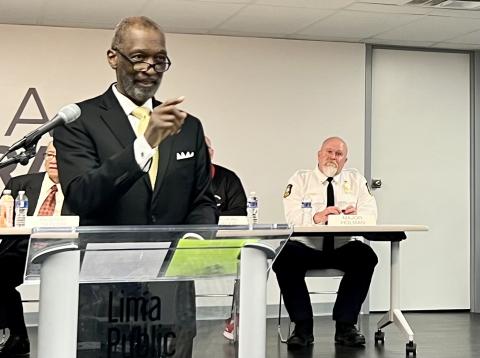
x: 411, y: 347
x: 379, y: 337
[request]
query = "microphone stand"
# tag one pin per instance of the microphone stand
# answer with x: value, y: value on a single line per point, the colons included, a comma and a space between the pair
x: 23, y: 158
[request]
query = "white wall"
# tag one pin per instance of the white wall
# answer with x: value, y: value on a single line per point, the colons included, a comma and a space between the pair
x: 266, y: 104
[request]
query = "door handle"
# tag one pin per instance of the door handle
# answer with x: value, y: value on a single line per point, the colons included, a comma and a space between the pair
x: 376, y: 183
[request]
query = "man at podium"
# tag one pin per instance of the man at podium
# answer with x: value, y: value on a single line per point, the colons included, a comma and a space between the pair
x: 130, y: 159
x: 332, y: 190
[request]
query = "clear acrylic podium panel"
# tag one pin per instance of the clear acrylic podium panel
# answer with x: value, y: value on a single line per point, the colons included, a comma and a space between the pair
x: 137, y: 285
x: 141, y: 253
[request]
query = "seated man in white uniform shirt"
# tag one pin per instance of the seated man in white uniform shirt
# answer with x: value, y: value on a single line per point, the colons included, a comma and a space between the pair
x: 333, y: 190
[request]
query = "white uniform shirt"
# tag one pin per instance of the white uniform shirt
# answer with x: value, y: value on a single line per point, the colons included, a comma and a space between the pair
x: 350, y: 188
x: 47, y: 184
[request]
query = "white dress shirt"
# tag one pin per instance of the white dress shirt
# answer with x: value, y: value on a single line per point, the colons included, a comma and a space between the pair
x: 47, y: 184
x: 349, y: 186
x: 142, y: 150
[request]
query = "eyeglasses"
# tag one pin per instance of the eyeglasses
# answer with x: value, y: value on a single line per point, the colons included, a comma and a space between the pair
x: 142, y: 66
x: 49, y: 156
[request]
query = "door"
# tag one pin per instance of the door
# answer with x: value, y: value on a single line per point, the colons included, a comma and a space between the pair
x: 421, y: 152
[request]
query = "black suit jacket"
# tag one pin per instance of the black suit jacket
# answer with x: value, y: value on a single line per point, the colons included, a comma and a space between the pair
x: 104, y: 185
x: 13, y: 252
x: 31, y: 184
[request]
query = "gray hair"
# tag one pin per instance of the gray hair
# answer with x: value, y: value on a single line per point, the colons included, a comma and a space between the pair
x: 129, y: 22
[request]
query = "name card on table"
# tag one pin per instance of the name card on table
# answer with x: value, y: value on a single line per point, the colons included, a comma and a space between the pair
x: 352, y: 220
x: 52, y: 221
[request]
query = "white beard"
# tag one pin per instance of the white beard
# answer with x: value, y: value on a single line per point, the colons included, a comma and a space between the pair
x: 330, y: 169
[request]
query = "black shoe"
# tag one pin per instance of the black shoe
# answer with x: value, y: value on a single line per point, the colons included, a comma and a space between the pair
x: 298, y: 341
x: 302, y: 335
x: 349, y: 335
x: 15, y: 346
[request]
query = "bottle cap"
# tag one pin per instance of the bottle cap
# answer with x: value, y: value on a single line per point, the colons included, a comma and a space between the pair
x: 7, y: 192
x: 21, y: 192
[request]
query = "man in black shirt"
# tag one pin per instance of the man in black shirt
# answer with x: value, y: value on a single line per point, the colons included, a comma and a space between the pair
x: 227, y: 188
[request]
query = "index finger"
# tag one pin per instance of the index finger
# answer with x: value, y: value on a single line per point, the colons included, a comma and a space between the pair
x: 173, y: 101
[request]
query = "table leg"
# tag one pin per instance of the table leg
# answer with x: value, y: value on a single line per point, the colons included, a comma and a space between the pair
x: 395, y: 315
x: 253, y: 308
x: 58, y: 311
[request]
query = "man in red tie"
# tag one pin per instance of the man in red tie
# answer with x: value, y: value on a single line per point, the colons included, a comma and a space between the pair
x: 45, y: 198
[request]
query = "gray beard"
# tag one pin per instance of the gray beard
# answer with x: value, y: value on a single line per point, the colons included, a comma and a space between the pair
x: 140, y: 95
x: 330, y: 170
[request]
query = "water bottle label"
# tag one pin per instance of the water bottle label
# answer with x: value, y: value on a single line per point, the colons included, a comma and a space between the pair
x: 252, y: 204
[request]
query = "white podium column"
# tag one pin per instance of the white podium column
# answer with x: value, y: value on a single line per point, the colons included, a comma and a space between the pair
x: 58, y: 316
x: 253, y: 308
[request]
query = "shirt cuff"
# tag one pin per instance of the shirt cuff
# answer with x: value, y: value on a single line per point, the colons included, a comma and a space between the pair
x: 143, y: 153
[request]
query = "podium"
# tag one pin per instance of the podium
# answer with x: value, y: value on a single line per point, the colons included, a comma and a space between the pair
x: 136, y: 290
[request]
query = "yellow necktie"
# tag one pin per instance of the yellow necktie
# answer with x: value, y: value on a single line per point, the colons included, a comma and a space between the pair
x: 143, y: 114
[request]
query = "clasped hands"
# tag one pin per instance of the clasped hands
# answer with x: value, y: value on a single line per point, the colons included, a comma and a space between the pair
x: 321, y: 217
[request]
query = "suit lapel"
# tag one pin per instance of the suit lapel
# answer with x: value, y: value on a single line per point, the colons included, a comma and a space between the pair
x: 33, y: 187
x: 116, y: 120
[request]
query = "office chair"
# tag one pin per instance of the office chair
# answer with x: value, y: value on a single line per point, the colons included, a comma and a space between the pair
x: 310, y: 273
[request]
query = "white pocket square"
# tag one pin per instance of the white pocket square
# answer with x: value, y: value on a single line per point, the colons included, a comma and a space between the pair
x: 185, y: 155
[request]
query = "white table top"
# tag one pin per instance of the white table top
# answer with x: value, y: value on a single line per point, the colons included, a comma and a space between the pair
x: 6, y: 231
x: 358, y: 228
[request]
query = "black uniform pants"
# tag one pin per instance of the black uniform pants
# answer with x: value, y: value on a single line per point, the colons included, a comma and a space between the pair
x: 356, y: 259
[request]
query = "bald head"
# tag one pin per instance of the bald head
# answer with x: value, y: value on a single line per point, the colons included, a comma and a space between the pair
x: 335, y: 140
x: 140, y: 22
x: 332, y: 156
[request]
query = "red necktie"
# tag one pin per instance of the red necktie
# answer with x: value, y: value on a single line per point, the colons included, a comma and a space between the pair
x: 48, y: 206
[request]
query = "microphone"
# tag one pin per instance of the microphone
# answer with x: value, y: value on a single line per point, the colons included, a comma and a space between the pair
x: 66, y: 115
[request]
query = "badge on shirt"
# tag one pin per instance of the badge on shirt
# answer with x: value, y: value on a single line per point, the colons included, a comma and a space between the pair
x: 347, y: 188
x: 288, y: 191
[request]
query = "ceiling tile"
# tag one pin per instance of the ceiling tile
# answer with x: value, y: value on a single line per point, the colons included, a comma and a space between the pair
x: 315, y: 4
x: 273, y: 19
x: 385, y: 2
x: 222, y: 32
x: 188, y: 14
x: 473, y: 14
x: 18, y: 12
x: 456, y: 46
x: 105, y: 13
x: 227, y: 1
x: 357, y: 24
x: 323, y: 38
x: 432, y: 28
x: 470, y: 38
x: 392, y: 9
x: 407, y: 43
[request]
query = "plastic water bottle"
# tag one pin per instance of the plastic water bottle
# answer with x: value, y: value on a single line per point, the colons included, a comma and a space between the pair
x: 252, y: 210
x: 7, y: 204
x: 21, y: 208
x: 306, y: 212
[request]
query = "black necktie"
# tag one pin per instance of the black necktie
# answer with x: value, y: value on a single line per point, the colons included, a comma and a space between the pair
x: 328, y: 239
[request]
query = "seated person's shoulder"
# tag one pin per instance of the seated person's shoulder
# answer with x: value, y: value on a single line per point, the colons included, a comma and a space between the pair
x: 302, y: 174
x: 352, y: 173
